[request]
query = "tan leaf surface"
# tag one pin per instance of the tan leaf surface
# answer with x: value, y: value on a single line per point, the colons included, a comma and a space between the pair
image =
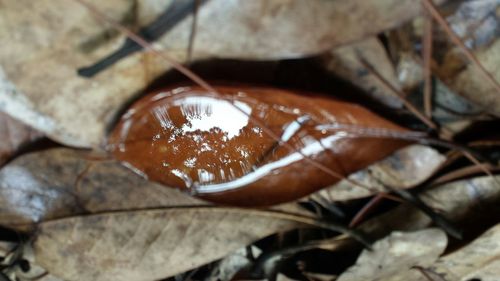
x: 148, y: 245
x: 61, y: 182
x: 50, y: 39
x: 398, y: 252
x: 478, y: 260
x: 477, y: 24
x: 465, y: 200
x: 404, y: 169
x: 472, y: 85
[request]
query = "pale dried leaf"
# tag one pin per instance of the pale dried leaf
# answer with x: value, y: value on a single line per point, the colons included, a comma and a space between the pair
x: 230, y: 265
x: 61, y: 182
x: 404, y: 169
x: 346, y: 61
x: 147, y: 245
x: 472, y: 85
x: 479, y: 260
x: 47, y: 44
x: 282, y: 277
x: 45, y: 49
x: 478, y: 25
x: 409, y: 71
x: 287, y: 28
x: 398, y: 252
x: 462, y: 200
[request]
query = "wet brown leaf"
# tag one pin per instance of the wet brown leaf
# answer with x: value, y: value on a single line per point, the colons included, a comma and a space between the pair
x: 398, y: 252
x: 13, y: 135
x: 62, y: 182
x: 50, y: 40
x: 404, y: 169
x: 147, y: 245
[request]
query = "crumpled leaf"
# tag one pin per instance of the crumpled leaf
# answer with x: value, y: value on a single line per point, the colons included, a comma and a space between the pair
x: 475, y: 22
x: 472, y: 85
x: 14, y: 135
x: 477, y: 260
x: 147, y: 245
x: 61, y: 182
x: 346, y: 62
x: 398, y: 252
x: 230, y: 265
x: 49, y: 40
x: 404, y: 169
x: 465, y: 201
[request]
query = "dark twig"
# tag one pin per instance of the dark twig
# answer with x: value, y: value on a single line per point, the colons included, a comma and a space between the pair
x: 192, y: 34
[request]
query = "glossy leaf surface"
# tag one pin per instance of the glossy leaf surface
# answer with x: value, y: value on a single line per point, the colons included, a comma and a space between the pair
x: 219, y: 146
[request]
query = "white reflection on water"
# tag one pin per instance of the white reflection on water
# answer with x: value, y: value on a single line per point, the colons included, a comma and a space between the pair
x: 309, y: 150
x: 206, y: 113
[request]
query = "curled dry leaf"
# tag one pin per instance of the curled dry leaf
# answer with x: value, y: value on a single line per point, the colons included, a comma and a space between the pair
x: 478, y: 25
x: 398, y: 252
x: 472, y: 85
x: 60, y: 182
x: 406, y: 168
x: 465, y: 200
x: 477, y: 260
x: 148, y: 245
x: 50, y: 40
x: 13, y: 135
x: 346, y: 61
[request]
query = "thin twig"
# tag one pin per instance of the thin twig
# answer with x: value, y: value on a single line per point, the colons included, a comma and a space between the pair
x: 365, y: 210
x: 192, y: 34
x: 397, y: 93
x: 427, y: 58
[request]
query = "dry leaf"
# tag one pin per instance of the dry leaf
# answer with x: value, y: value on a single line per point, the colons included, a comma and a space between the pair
x: 476, y: 261
x: 398, y: 252
x: 61, y: 182
x: 477, y: 24
x: 472, y: 85
x: 230, y: 265
x: 346, y: 62
x: 148, y: 245
x: 404, y: 169
x: 47, y: 44
x: 466, y: 200
x: 14, y: 135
